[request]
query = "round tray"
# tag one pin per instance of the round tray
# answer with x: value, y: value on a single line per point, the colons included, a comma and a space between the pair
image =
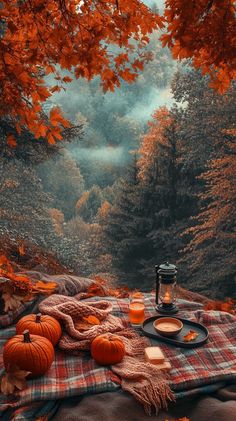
x: 178, y: 340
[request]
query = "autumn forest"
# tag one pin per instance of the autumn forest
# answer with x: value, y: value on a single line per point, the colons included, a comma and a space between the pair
x: 117, y: 124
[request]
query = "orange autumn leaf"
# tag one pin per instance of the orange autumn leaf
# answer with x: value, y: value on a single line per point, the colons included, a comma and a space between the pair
x: 67, y: 79
x: 228, y: 306
x: 11, y: 141
x: 19, y: 288
x: 40, y: 37
x: 92, y: 320
x: 12, y: 301
x: 191, y: 335
x: 101, y: 288
x: 13, y: 379
x: 45, y: 287
x: 57, y: 118
x: 208, y: 37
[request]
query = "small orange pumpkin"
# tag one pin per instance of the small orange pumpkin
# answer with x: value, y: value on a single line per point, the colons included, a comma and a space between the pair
x: 40, y: 325
x: 28, y: 352
x: 107, y: 349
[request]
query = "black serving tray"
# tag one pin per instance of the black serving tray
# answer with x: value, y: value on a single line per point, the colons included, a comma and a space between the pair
x: 178, y: 340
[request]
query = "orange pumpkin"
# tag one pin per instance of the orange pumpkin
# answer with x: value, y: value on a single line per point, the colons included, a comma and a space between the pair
x: 28, y: 352
x: 40, y: 325
x: 107, y: 349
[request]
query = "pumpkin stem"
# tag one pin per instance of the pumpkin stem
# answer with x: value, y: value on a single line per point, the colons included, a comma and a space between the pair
x: 38, y: 318
x: 26, y: 336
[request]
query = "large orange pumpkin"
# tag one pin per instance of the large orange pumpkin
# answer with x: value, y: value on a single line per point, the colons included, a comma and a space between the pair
x: 28, y: 352
x: 107, y: 349
x: 41, y: 325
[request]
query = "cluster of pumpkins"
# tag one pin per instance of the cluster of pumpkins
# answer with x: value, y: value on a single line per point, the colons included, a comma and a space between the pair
x: 32, y: 349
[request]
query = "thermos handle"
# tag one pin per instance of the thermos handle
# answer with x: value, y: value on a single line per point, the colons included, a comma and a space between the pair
x: 157, y: 283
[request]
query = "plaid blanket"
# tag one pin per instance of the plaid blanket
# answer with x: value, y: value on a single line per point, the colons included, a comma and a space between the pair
x: 198, y: 370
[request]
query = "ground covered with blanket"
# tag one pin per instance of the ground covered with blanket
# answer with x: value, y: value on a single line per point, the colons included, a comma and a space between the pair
x: 76, y: 382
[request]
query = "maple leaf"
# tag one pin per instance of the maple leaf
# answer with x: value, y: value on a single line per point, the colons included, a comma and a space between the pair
x: 12, y: 302
x: 50, y: 139
x: 128, y: 76
x: 45, y: 287
x: 102, y: 289
x: 229, y: 306
x: 13, y: 379
x: 67, y: 79
x: 55, y: 88
x: 166, y: 40
x: 92, y: 320
x: 57, y: 118
x: 191, y: 335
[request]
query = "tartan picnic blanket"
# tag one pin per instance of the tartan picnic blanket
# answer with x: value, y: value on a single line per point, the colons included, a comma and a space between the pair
x: 194, y: 371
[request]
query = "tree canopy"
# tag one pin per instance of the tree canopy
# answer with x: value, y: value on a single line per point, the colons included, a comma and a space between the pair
x: 38, y: 35
x: 105, y: 38
x: 206, y: 32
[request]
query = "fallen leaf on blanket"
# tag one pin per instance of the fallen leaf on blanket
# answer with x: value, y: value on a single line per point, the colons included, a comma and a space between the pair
x: 13, y: 379
x: 12, y: 302
x: 228, y: 306
x: 103, y: 288
x: 191, y: 335
x: 45, y: 287
x: 92, y: 320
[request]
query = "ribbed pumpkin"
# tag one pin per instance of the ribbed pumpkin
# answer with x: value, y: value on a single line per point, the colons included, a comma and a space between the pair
x: 41, y: 325
x: 107, y: 349
x: 28, y: 352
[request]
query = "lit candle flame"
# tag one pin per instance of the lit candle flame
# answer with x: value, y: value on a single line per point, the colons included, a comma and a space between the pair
x: 167, y: 298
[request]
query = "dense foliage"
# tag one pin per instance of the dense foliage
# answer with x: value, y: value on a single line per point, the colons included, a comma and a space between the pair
x: 37, y: 36
x: 181, y: 174
x: 129, y: 194
x: 91, y: 38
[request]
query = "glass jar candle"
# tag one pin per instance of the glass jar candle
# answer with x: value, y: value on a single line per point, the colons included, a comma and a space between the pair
x: 136, y: 308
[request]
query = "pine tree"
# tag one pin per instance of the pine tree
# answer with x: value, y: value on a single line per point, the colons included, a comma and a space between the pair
x: 167, y: 191
x: 127, y: 226
x: 210, y: 253
x: 207, y: 127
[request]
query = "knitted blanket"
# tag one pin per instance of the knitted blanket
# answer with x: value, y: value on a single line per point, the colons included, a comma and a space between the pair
x: 68, y: 285
x: 143, y: 380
